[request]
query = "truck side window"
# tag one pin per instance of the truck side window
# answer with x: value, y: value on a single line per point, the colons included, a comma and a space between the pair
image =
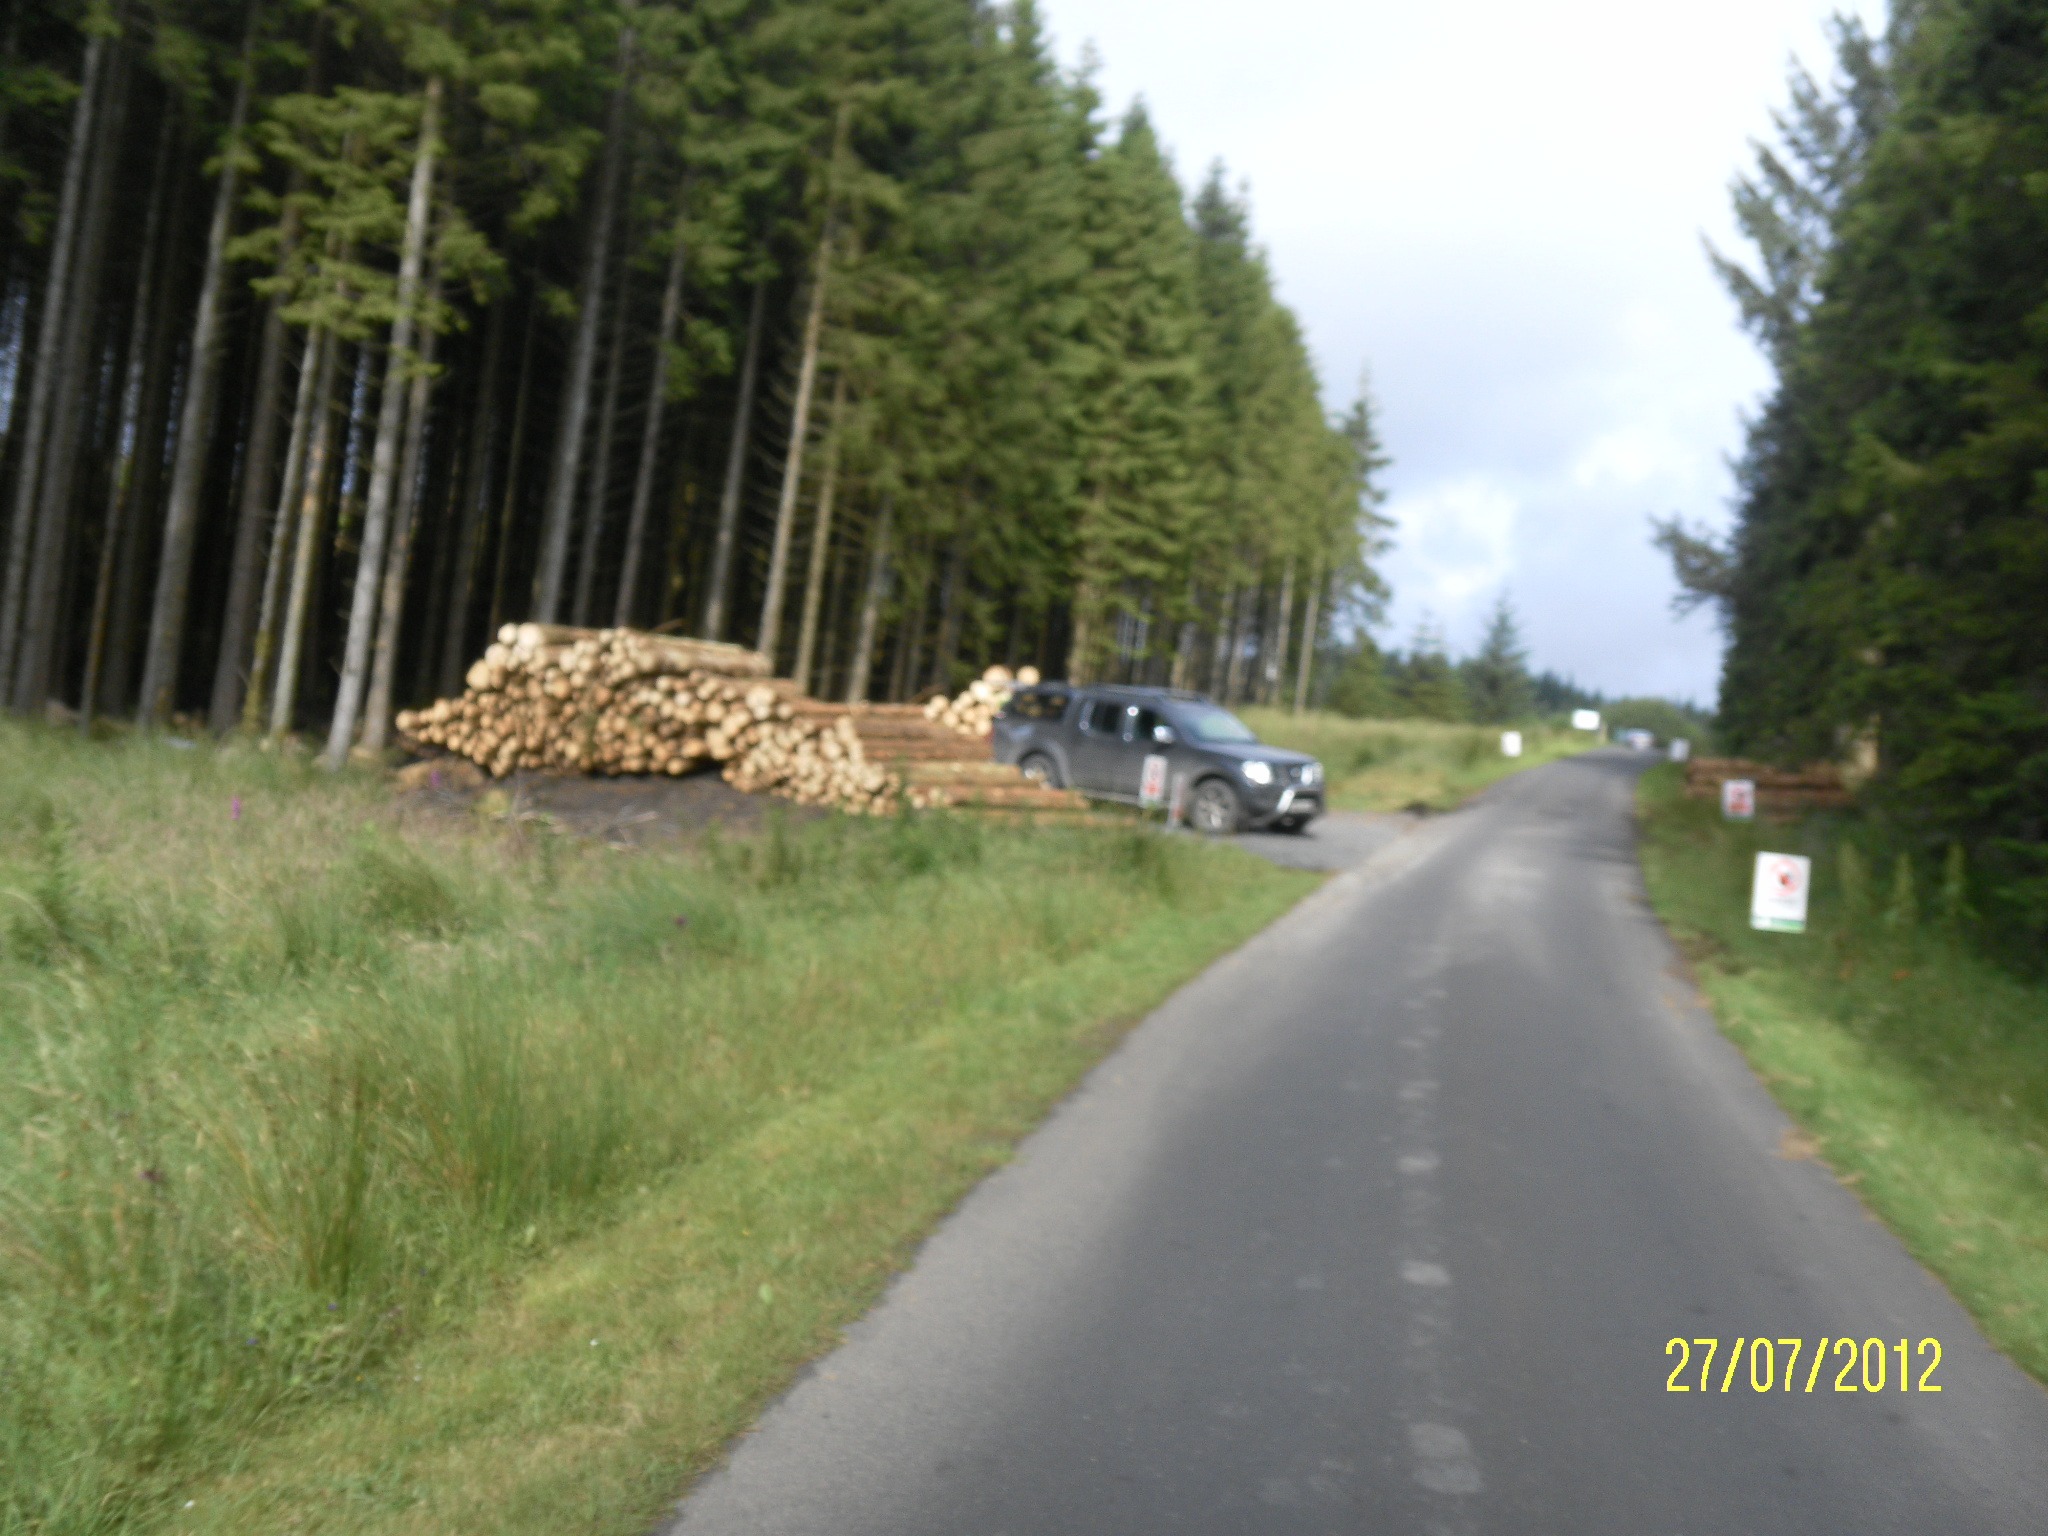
x: 1148, y: 721
x: 1106, y: 717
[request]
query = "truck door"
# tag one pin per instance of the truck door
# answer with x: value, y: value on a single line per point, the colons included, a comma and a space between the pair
x: 1099, y: 746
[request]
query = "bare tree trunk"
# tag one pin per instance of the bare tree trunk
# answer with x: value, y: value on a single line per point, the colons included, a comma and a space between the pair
x: 512, y: 458
x: 735, y: 469
x: 120, y: 483
x: 793, y: 461
x: 877, y: 586
x: 362, y: 619
x: 821, y: 542
x: 650, y: 435
x: 947, y: 642
x: 601, y: 465
x: 475, y: 494
x: 1276, y: 664
x: 1247, y: 609
x: 52, y: 326
x: 281, y: 525
x: 562, y: 477
x: 398, y: 562
x: 41, y: 601
x: 312, y: 501
x: 1308, y: 639
x: 238, y: 616
x: 195, y: 426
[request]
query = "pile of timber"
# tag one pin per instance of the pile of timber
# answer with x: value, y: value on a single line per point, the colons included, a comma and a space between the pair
x: 973, y: 712
x: 1779, y: 791
x: 940, y: 766
x: 553, y: 698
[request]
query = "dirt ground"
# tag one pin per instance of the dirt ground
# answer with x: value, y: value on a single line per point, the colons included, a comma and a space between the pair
x: 625, y: 812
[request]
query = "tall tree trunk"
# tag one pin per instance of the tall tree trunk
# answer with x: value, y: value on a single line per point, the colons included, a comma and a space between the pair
x: 650, y: 434
x: 517, y: 447
x: 735, y: 469
x: 601, y: 464
x: 306, y: 543
x: 475, y: 496
x: 1247, y: 609
x: 391, y: 601
x: 181, y: 514
x: 821, y: 542
x: 1308, y: 639
x: 52, y: 326
x: 563, y: 476
x: 1276, y: 665
x: 238, y: 616
x: 40, y: 603
x: 362, y: 619
x: 793, y: 460
x: 875, y: 589
x: 1219, y: 652
x: 947, y: 643
x: 121, y: 482
x: 281, y: 526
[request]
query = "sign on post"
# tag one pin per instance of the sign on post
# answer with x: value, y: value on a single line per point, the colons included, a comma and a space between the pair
x: 1177, y: 803
x: 1152, y: 782
x: 1738, y: 799
x: 1585, y: 719
x: 1510, y: 743
x: 1777, y: 896
x: 1681, y: 749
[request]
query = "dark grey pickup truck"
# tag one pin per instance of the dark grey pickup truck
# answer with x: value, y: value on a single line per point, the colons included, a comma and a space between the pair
x: 1109, y: 741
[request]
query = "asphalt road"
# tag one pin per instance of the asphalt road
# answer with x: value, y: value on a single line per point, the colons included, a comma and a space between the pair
x: 1382, y: 1225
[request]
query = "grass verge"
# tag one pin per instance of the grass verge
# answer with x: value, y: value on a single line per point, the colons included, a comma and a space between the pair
x: 356, y: 1177
x: 1403, y: 765
x: 1917, y: 1069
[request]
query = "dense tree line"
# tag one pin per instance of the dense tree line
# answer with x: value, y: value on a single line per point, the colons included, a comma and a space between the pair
x: 1886, y: 585
x: 336, y: 333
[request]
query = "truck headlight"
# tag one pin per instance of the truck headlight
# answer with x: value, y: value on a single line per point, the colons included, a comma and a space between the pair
x: 1312, y: 774
x: 1257, y: 772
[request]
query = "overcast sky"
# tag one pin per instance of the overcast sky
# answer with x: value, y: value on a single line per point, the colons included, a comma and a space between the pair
x: 1497, y: 207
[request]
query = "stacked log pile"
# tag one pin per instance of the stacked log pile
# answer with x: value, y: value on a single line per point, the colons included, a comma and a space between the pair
x: 1779, y: 791
x: 939, y: 766
x: 973, y: 712
x: 618, y: 701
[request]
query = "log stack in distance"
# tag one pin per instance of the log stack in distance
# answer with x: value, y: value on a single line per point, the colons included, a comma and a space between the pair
x: 617, y: 701
x: 973, y: 711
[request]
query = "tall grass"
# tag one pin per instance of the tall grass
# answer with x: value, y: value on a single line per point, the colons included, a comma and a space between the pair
x: 1917, y: 1063
x: 285, y: 1084
x: 1395, y: 765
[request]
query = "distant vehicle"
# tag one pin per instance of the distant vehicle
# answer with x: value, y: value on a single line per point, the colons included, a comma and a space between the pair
x: 1097, y: 738
x: 1639, y: 740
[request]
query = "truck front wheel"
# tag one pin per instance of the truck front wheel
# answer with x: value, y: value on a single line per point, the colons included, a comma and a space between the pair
x: 1216, y: 809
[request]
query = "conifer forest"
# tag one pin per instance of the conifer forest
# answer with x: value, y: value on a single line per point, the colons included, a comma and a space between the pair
x: 335, y: 334
x: 1886, y: 585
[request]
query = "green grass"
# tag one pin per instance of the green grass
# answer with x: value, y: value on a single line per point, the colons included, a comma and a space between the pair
x: 1918, y: 1068
x: 329, y: 1145
x: 1399, y: 765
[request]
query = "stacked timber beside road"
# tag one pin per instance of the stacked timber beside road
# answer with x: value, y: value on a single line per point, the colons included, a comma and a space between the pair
x: 554, y: 699
x: 1779, y: 791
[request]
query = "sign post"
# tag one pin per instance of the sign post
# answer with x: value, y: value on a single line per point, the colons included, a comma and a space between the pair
x: 1777, y: 896
x: 1510, y: 743
x: 1177, y: 803
x: 1738, y: 799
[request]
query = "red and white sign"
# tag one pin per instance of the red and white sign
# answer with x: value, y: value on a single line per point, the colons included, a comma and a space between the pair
x: 1738, y: 799
x: 1152, y: 783
x: 1777, y: 896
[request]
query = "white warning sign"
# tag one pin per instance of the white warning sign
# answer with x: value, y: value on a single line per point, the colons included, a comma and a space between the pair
x: 1738, y: 799
x: 1777, y: 896
x: 1152, y: 783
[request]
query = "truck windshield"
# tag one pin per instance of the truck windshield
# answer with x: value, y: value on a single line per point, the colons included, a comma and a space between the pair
x: 1218, y: 725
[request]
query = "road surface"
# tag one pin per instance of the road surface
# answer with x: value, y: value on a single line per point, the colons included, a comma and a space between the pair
x: 1382, y: 1225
